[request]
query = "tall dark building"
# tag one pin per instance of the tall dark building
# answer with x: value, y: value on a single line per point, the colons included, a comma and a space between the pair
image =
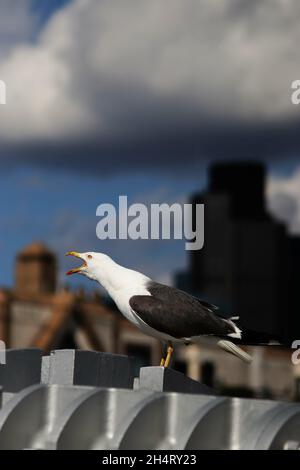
x: 249, y: 265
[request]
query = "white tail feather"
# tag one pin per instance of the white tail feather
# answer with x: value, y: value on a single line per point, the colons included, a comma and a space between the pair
x: 235, y: 350
x: 237, y: 332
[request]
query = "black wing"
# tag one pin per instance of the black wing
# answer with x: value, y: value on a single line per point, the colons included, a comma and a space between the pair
x: 161, y: 291
x: 178, y: 314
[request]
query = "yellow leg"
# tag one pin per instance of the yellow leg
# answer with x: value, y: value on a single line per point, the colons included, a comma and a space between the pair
x: 162, y: 362
x: 169, y: 355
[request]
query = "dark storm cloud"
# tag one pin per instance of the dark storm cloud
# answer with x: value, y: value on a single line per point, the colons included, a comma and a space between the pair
x: 174, y: 150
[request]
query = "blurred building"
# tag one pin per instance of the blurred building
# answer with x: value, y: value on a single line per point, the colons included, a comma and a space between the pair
x: 249, y: 265
x: 34, y: 313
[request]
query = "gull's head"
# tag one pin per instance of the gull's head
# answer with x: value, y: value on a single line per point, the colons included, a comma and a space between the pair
x: 92, y: 263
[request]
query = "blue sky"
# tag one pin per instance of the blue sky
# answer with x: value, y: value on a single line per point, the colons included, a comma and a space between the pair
x: 46, y: 8
x: 60, y: 209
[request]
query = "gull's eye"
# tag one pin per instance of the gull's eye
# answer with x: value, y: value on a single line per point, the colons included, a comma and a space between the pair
x: 90, y: 257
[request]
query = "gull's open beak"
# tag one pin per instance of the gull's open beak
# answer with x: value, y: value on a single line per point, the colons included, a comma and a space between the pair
x: 75, y: 270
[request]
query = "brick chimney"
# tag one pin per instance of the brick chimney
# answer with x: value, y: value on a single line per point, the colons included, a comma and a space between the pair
x: 35, y: 270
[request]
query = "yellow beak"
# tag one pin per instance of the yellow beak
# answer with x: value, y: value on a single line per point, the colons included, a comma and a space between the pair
x: 75, y: 270
x: 73, y: 253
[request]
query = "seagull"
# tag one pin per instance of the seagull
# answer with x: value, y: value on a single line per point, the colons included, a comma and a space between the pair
x: 160, y: 311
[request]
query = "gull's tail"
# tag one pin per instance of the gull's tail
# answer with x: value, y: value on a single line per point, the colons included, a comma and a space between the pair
x: 235, y: 350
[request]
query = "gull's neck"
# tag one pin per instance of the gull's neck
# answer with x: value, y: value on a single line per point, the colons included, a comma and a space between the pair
x: 114, y: 277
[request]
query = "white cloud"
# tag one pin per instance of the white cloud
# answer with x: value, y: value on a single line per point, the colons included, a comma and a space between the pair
x: 110, y: 68
x: 283, y: 196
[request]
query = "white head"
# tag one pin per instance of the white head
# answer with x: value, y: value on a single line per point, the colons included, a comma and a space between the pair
x: 93, y: 264
x: 101, y: 268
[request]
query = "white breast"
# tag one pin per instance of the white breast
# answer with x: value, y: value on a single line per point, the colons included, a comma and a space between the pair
x: 122, y: 298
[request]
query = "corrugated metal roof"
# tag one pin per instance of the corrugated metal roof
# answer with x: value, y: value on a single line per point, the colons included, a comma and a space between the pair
x: 88, y: 400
